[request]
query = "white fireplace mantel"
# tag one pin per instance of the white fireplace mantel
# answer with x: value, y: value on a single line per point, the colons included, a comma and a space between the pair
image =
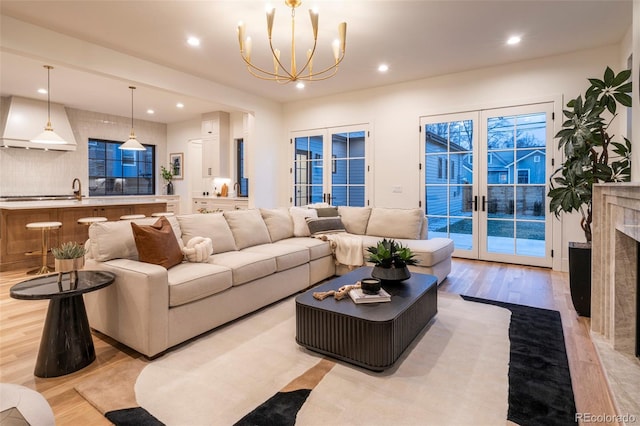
x: 614, y: 289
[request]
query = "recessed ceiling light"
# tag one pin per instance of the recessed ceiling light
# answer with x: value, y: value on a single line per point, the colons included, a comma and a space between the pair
x: 179, y: 105
x: 383, y: 68
x: 150, y: 111
x: 193, y: 41
x: 514, y: 40
x: 42, y: 91
x: 300, y: 85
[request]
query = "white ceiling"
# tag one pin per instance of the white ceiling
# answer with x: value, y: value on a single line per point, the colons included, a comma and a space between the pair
x: 418, y: 39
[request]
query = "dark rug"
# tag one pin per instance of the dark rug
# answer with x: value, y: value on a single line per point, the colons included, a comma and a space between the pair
x: 540, y: 391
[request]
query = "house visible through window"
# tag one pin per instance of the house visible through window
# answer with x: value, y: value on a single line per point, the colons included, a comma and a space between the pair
x: 113, y: 171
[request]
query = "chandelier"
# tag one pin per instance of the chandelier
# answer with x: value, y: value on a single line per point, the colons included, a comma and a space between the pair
x: 280, y: 73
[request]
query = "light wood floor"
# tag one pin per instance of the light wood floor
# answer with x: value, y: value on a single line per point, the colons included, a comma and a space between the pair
x: 21, y: 326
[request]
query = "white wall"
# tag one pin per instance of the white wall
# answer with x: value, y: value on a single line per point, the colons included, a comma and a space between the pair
x: 394, y: 112
x: 178, y: 137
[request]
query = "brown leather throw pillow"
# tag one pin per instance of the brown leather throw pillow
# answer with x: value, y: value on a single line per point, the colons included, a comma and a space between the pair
x: 157, y: 243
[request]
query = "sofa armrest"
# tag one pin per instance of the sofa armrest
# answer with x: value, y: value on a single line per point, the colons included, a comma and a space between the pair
x: 134, y: 310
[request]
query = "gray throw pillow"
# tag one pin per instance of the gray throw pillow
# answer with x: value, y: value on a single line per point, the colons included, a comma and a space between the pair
x: 327, y: 212
x: 325, y: 225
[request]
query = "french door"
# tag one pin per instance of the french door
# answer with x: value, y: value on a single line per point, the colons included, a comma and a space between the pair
x: 330, y: 165
x: 485, y: 182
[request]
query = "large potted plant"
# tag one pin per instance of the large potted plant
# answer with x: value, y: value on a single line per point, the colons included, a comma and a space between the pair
x: 391, y: 260
x: 591, y: 156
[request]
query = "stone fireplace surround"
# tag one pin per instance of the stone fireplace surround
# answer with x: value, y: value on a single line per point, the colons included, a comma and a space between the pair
x: 614, y: 289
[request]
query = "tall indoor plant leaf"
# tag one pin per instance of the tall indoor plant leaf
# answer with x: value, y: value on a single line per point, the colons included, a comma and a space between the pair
x: 591, y: 154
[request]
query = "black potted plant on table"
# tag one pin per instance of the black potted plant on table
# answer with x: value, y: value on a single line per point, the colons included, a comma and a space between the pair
x: 391, y: 260
x: 591, y: 156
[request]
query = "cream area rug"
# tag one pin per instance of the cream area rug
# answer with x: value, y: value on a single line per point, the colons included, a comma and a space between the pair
x: 455, y: 372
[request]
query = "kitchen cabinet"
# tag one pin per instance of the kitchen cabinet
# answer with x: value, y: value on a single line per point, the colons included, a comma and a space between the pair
x: 215, y: 144
x: 16, y: 240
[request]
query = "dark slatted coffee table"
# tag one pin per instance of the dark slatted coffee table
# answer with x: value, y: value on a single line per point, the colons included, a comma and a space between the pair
x: 370, y: 335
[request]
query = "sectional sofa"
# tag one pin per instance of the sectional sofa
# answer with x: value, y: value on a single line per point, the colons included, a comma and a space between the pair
x: 259, y: 256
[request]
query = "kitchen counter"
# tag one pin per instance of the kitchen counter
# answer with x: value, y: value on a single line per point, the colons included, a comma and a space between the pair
x: 85, y: 202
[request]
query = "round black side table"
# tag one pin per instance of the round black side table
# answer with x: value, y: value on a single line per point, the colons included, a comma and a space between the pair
x: 66, y: 345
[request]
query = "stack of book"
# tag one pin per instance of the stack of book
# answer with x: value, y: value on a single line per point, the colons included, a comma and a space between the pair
x: 359, y: 297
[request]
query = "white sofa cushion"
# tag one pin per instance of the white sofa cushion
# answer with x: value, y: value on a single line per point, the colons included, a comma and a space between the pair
x: 355, y: 218
x: 195, y: 281
x: 317, y: 248
x: 246, y: 266
x: 114, y: 240
x: 395, y: 223
x: 427, y: 252
x: 208, y: 225
x: 287, y: 256
x: 248, y: 227
x: 299, y: 216
x: 279, y: 223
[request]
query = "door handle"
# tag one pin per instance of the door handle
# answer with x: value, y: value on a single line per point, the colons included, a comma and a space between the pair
x: 475, y: 203
x: 484, y: 202
x: 329, y: 199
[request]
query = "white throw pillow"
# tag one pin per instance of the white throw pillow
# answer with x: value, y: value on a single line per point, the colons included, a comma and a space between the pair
x: 114, y: 239
x: 396, y: 223
x: 210, y: 225
x: 279, y: 223
x: 299, y: 216
x: 248, y: 227
x: 198, y: 249
x: 355, y: 218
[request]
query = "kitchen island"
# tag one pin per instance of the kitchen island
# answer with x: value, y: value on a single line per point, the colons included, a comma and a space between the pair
x: 16, y: 240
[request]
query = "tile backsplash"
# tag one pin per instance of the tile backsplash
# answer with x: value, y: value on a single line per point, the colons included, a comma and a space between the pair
x: 37, y: 172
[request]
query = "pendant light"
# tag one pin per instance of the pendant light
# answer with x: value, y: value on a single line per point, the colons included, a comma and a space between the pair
x: 132, y: 144
x: 49, y: 136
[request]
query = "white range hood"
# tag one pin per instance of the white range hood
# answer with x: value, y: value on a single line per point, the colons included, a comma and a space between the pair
x: 21, y: 119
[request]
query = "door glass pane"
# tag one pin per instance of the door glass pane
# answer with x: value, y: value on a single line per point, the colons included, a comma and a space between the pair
x: 500, y: 236
x: 348, y: 169
x: 448, y: 181
x: 500, y: 132
x: 516, y: 184
x: 308, y: 170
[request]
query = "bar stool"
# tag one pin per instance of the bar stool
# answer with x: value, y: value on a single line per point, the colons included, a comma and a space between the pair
x: 159, y: 214
x: 89, y: 220
x: 45, y: 228
x: 132, y: 216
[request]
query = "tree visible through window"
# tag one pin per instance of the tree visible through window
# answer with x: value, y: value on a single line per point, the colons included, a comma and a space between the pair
x: 113, y: 171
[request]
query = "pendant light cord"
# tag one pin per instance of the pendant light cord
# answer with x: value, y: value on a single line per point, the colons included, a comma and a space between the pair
x: 132, y: 89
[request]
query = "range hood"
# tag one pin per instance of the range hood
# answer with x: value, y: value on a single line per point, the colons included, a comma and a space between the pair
x: 21, y: 119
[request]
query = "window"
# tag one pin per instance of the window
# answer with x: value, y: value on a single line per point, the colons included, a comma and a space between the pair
x: 243, y: 190
x: 113, y: 171
x: 523, y: 176
x: 329, y: 165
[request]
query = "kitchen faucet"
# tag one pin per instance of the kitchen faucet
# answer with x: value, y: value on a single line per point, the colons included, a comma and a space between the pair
x: 78, y: 192
x: 236, y: 187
